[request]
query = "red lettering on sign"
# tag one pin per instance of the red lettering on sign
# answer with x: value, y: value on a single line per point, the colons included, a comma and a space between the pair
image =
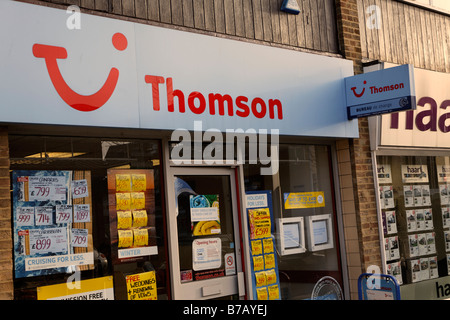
x: 199, y: 104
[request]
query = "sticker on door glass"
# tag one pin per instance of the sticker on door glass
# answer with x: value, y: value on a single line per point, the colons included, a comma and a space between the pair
x: 206, y: 254
x: 205, y: 216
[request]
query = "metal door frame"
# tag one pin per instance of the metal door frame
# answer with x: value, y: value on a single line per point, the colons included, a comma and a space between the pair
x: 211, y: 288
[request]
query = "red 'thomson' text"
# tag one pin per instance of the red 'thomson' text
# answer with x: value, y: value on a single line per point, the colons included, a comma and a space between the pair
x: 199, y: 103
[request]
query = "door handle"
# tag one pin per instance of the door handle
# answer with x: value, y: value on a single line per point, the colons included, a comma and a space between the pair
x: 211, y: 290
x: 241, y: 283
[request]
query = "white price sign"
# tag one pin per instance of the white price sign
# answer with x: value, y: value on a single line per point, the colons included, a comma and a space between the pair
x: 80, y: 238
x: 81, y: 213
x: 25, y: 216
x: 47, y: 188
x: 49, y: 240
x: 43, y: 216
x: 64, y: 213
x: 79, y: 189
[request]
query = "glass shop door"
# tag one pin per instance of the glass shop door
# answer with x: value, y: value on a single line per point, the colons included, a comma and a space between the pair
x: 204, y: 234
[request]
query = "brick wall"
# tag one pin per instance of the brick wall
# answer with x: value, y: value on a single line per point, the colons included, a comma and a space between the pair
x: 355, y: 167
x: 6, y: 264
x: 366, y: 199
x: 348, y: 32
x: 349, y: 216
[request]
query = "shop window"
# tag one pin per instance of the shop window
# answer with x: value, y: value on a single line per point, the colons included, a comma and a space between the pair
x: 80, y: 198
x: 304, y: 215
x: 415, y: 209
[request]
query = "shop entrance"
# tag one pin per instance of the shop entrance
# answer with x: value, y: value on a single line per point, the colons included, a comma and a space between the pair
x: 204, y: 234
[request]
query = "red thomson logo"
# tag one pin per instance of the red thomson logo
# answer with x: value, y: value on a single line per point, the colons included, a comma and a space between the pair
x: 376, y: 90
x: 197, y: 102
x: 359, y: 95
x: 77, y: 101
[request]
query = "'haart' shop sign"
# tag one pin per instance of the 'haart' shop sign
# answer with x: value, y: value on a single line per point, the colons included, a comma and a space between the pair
x: 117, y: 73
x: 429, y: 124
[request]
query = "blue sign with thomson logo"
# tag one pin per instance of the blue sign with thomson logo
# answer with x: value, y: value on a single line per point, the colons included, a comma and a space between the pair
x: 378, y: 92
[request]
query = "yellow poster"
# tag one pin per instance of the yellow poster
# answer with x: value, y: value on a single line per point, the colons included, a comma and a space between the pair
x: 123, y: 182
x: 139, y: 182
x: 137, y: 200
x: 123, y: 219
x: 123, y: 201
x: 140, y: 237
x: 256, y: 247
x: 92, y: 289
x: 302, y: 200
x: 269, y: 261
x: 142, y: 286
x: 271, y: 276
x: 262, y: 293
x: 260, y: 279
x: 274, y: 292
x: 259, y: 223
x: 139, y: 218
x: 268, y: 245
x: 125, y: 238
x: 258, y: 263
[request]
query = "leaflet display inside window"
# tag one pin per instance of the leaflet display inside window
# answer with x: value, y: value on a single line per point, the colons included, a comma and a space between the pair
x: 304, y: 215
x: 88, y: 210
x: 414, y: 205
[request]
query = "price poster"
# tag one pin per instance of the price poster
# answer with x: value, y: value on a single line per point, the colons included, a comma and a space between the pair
x: 260, y: 224
x: 48, y: 238
x: 131, y: 199
x: 265, y: 278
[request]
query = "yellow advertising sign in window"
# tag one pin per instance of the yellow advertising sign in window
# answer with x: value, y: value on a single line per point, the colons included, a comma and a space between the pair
x: 92, y: 289
x: 123, y: 182
x: 139, y: 182
x: 142, y: 286
x: 302, y: 200
x: 256, y: 247
x: 259, y: 223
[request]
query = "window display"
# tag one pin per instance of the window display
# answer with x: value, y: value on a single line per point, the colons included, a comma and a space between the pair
x: 90, y: 210
x: 132, y: 214
x: 52, y: 222
x: 265, y: 277
x: 304, y: 215
x: 414, y: 204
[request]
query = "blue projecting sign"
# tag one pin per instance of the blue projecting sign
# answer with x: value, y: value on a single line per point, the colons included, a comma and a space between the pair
x: 378, y: 92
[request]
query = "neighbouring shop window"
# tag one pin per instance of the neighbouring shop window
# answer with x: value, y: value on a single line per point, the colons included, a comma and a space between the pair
x: 415, y: 209
x: 303, y: 209
x: 88, y: 210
